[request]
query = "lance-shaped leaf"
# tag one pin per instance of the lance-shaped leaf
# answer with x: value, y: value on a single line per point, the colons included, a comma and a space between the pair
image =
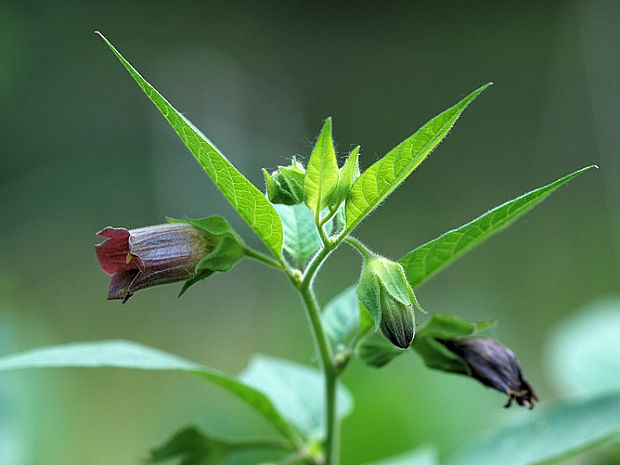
x: 557, y: 431
x: 249, y: 202
x: 321, y: 178
x: 425, y: 261
x: 127, y: 354
x: 378, y: 181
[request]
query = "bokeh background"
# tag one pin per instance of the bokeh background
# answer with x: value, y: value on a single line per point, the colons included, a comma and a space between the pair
x: 82, y: 148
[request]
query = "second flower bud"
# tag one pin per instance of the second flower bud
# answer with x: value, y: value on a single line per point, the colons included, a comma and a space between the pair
x: 383, y: 289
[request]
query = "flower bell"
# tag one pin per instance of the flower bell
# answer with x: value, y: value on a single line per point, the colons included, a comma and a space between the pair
x: 494, y: 365
x: 166, y: 253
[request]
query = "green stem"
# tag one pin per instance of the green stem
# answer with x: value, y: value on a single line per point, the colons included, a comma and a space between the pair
x: 329, y: 372
x: 256, y: 255
x: 328, y: 217
x: 361, y: 248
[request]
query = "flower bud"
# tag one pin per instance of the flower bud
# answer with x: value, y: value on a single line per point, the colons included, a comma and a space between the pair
x: 495, y: 366
x: 165, y: 253
x: 383, y: 289
x: 286, y: 184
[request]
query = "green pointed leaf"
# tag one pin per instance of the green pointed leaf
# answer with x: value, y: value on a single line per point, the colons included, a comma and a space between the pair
x: 249, y: 202
x: 296, y: 391
x: 378, y: 181
x: 322, y: 175
x: 127, y: 354
x: 190, y: 446
x: 301, y: 238
x: 434, y: 354
x: 348, y: 174
x: 425, y: 261
x: 422, y: 456
x: 550, y: 433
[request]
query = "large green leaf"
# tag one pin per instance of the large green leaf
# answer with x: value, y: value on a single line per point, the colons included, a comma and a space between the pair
x: 322, y: 175
x: 190, y: 446
x: 378, y: 181
x: 422, y: 456
x: 251, y: 204
x: 423, y: 262
x: 301, y: 238
x: 296, y: 390
x: 558, y: 431
x: 127, y: 354
x: 583, y: 350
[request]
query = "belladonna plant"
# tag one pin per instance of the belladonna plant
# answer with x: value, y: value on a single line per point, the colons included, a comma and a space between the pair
x: 305, y: 213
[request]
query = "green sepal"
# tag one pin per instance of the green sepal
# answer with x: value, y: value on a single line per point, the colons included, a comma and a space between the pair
x: 229, y: 249
x: 190, y: 446
x: 383, y: 289
x: 442, y: 326
x: 369, y: 293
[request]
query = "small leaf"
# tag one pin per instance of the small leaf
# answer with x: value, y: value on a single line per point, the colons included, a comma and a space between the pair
x: 434, y: 354
x: 348, y: 174
x: 378, y: 181
x: 425, y: 261
x: 190, y: 446
x: 249, y: 202
x: 301, y: 238
x: 321, y: 178
x: 296, y: 391
x: 557, y: 431
x: 422, y: 456
x: 127, y: 354
x: 376, y: 351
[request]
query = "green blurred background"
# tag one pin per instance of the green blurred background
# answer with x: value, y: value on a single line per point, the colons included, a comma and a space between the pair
x: 82, y: 148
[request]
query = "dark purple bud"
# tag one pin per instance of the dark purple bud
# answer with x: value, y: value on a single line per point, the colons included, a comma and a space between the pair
x: 150, y: 256
x: 494, y: 365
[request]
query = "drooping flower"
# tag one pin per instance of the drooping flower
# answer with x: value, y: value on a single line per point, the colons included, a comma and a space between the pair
x: 383, y: 289
x: 150, y: 256
x: 494, y: 365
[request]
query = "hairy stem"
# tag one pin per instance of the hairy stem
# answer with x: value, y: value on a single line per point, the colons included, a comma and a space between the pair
x: 330, y: 374
x: 361, y: 248
x: 256, y: 255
